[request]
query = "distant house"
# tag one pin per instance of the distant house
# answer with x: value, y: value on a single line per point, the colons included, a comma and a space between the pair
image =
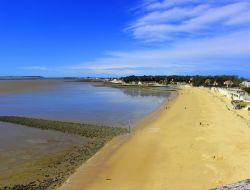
x: 172, y: 81
x: 190, y: 80
x: 232, y: 93
x: 228, y: 83
x: 215, y: 83
x: 245, y: 84
x: 140, y: 83
x: 237, y: 94
x: 116, y: 81
x: 208, y: 82
x: 165, y: 81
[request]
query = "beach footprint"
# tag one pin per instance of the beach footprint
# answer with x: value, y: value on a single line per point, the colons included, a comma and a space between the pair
x: 215, y: 157
x: 204, y: 124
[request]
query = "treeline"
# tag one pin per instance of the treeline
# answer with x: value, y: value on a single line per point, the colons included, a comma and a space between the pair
x: 247, y: 90
x: 195, y: 80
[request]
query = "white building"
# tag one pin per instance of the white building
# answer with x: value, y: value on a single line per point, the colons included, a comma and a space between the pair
x: 232, y: 93
x: 228, y: 83
x: 245, y: 84
x: 116, y: 81
x: 140, y: 83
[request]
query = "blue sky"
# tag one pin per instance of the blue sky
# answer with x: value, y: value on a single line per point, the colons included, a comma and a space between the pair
x: 125, y: 37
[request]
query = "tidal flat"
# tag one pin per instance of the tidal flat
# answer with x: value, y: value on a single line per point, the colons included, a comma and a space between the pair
x: 60, y: 125
x: 27, y: 154
x: 39, y: 157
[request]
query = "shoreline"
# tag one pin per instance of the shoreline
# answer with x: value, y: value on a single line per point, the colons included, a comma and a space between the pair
x: 197, y: 144
x: 152, y: 116
x: 92, y: 165
x: 60, y: 166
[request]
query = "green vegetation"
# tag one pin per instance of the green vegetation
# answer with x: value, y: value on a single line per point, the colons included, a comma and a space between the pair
x: 59, y: 169
x: 246, y: 103
x: 195, y: 80
x: 247, y: 90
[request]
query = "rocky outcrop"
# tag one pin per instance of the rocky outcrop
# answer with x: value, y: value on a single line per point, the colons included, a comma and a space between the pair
x: 242, y: 185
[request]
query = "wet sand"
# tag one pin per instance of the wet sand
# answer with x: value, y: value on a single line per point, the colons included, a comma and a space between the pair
x: 26, y: 154
x: 196, y: 143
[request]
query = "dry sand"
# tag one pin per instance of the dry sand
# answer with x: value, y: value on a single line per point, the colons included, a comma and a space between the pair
x: 195, y: 144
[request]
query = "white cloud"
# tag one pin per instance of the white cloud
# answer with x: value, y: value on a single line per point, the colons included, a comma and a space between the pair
x: 242, y: 18
x: 222, y: 54
x: 158, y: 5
x: 209, y: 36
x: 182, y: 57
x: 174, y: 14
x: 169, y: 19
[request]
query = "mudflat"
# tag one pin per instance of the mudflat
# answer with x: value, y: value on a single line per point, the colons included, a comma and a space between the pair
x: 29, y: 154
x: 196, y: 143
x: 43, y: 153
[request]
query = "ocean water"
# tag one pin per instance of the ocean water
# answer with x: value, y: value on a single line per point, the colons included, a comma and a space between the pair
x: 85, y: 102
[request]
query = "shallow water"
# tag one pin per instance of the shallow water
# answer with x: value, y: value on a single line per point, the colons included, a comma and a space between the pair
x: 84, y: 102
x: 24, y: 151
x: 19, y: 143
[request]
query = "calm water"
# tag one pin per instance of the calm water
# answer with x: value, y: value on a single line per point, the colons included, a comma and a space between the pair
x: 25, y: 151
x: 21, y: 144
x: 84, y: 102
x: 71, y: 101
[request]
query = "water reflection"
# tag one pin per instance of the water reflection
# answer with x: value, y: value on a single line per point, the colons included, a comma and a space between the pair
x: 144, y: 92
x: 84, y: 102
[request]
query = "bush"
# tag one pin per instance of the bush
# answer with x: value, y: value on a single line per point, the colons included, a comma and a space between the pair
x: 247, y: 90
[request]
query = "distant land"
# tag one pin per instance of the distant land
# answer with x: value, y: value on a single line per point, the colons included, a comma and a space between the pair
x: 33, y: 77
x: 20, y: 77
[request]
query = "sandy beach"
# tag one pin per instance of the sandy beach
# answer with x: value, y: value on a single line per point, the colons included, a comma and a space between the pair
x: 197, y: 143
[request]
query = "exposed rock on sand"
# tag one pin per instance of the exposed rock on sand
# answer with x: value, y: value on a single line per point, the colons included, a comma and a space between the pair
x: 243, y: 185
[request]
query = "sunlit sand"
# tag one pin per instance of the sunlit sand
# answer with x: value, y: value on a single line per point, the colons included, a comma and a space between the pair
x: 197, y: 143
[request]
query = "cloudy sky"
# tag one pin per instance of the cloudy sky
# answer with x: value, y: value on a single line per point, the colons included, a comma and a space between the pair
x: 125, y: 37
